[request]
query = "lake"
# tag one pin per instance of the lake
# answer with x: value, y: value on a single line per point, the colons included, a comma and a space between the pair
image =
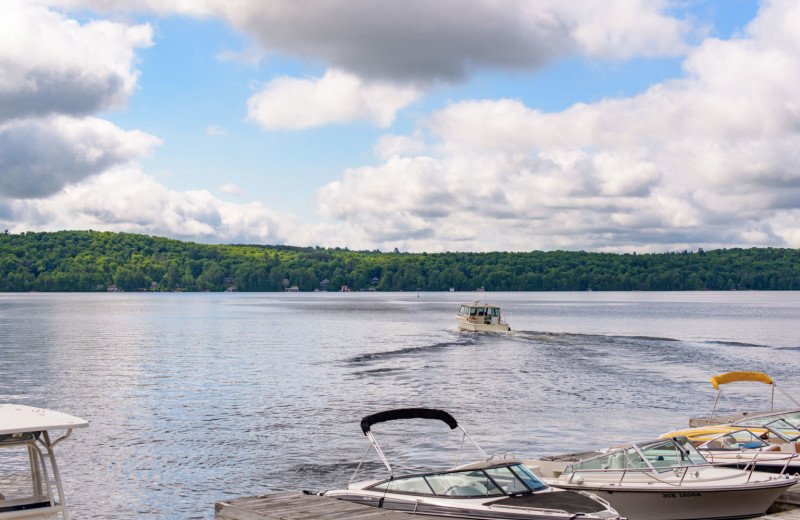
x: 198, y: 397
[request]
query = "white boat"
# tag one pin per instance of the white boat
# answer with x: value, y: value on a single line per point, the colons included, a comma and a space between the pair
x: 489, y: 489
x: 30, y: 483
x: 668, y: 479
x: 743, y: 449
x: 477, y: 317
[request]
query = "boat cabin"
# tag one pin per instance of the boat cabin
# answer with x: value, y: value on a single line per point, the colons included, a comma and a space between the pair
x: 480, y: 316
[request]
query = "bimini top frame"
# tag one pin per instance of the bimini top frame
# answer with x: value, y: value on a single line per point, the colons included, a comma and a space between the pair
x: 732, y: 377
x: 28, y: 428
x: 409, y: 413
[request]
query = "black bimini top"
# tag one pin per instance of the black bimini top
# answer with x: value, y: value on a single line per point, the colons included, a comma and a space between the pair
x: 407, y: 413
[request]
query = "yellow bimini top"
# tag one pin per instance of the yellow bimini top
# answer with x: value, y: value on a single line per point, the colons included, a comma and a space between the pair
x: 733, y: 377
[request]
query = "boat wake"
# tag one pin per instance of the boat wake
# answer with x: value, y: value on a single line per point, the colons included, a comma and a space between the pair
x: 567, y: 337
x: 390, y: 354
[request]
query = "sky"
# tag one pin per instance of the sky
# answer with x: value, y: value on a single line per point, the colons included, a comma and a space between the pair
x: 454, y: 125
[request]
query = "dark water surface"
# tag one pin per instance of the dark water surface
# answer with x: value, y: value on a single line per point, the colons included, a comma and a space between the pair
x: 194, y: 398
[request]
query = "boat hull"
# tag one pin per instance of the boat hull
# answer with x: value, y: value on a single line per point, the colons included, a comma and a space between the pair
x: 482, y: 327
x: 466, y: 508
x: 686, y: 503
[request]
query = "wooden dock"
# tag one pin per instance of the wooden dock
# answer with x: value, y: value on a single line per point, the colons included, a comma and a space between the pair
x: 298, y: 506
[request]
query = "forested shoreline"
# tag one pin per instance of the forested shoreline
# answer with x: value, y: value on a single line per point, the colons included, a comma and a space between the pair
x: 84, y: 261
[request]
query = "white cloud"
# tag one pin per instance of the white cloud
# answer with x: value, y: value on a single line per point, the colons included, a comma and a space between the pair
x: 622, y: 29
x: 418, y: 41
x: 708, y: 160
x: 50, y: 64
x: 125, y: 199
x: 230, y: 188
x: 336, y: 97
x: 215, y: 130
x: 390, y: 145
x: 38, y: 157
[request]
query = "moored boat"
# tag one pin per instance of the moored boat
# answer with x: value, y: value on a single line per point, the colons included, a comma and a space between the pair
x: 669, y: 479
x: 477, y: 317
x: 30, y: 482
x: 489, y: 489
x: 742, y: 448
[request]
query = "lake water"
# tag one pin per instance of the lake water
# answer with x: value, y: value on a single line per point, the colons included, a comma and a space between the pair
x: 194, y: 398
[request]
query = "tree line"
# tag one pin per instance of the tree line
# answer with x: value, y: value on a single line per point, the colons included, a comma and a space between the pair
x: 84, y: 261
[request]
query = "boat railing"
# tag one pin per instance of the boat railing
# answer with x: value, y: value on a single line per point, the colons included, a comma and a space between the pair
x: 656, y: 473
x: 751, y: 464
x: 624, y: 472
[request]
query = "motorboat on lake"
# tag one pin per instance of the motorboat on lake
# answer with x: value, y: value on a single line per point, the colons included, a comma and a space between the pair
x: 30, y: 483
x: 478, y: 317
x: 668, y: 479
x: 742, y: 415
x: 489, y: 489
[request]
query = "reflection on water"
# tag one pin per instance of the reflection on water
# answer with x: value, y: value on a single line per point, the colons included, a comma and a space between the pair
x: 194, y: 398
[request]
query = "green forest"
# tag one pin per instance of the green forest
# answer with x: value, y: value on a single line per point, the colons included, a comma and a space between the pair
x: 69, y: 261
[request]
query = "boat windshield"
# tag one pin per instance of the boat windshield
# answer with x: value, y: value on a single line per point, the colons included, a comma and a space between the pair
x: 792, y: 418
x: 677, y: 451
x: 489, y: 482
x: 666, y: 453
x: 734, y: 441
x: 784, y: 430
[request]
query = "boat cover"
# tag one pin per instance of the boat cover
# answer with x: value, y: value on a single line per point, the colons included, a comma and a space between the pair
x: 732, y: 377
x: 568, y: 501
x: 407, y: 413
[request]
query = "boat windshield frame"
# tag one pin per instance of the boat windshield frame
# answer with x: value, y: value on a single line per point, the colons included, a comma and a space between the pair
x: 728, y: 441
x: 507, y: 479
x: 781, y: 431
x: 649, y: 456
x: 790, y: 416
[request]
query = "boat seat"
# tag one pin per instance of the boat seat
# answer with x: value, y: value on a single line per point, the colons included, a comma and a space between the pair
x: 465, y: 491
x: 617, y: 462
x: 22, y: 504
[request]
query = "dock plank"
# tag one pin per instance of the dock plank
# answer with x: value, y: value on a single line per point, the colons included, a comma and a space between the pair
x: 298, y: 506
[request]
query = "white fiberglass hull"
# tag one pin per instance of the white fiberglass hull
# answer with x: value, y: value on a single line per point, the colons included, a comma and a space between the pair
x: 670, y: 502
x: 484, y: 508
x: 482, y: 327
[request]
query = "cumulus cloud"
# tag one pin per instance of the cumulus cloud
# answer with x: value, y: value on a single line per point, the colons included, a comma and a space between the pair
x: 390, y: 145
x: 125, y: 199
x: 710, y: 159
x: 418, y: 41
x: 38, y: 157
x: 50, y: 64
x: 336, y: 97
x: 230, y: 188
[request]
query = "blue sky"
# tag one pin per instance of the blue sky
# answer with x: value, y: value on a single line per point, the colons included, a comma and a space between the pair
x: 614, y: 125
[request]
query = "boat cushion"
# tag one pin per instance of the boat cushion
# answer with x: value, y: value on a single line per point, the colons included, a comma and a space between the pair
x: 568, y: 501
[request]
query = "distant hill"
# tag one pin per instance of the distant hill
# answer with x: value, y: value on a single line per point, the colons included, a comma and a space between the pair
x: 69, y: 261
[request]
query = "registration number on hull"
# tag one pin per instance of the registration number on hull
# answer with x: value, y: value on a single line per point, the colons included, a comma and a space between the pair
x: 687, y: 494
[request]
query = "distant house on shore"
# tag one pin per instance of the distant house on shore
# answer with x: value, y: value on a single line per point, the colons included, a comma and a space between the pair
x: 293, y: 288
x: 112, y: 288
x: 345, y: 289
